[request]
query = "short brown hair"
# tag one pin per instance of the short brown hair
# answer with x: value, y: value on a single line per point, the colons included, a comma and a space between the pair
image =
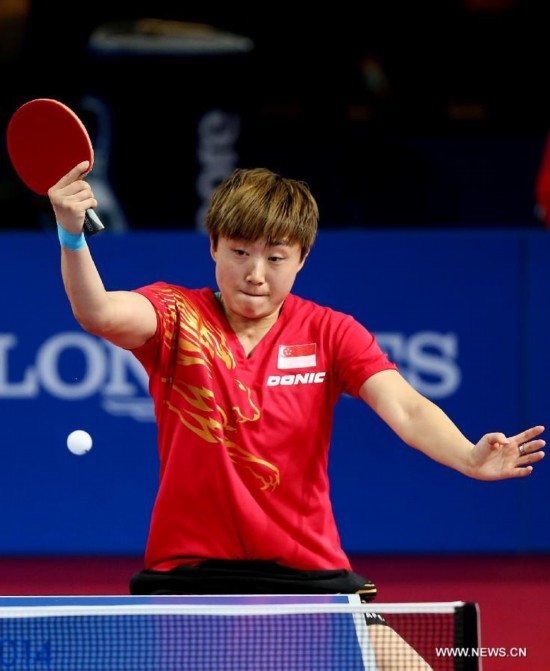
x: 254, y: 203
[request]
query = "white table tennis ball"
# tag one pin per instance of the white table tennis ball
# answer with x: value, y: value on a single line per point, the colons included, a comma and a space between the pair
x: 79, y: 442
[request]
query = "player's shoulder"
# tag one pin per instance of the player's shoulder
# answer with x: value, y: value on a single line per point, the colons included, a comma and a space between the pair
x: 330, y: 323
x: 168, y: 289
x: 165, y: 295
x: 306, y: 308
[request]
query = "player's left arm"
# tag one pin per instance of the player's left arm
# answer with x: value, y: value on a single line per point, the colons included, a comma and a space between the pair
x: 424, y: 426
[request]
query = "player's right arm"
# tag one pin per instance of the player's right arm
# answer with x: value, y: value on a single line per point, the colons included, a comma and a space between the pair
x: 125, y: 318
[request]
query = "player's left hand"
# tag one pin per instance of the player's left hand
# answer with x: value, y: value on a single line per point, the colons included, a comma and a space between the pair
x: 497, y: 457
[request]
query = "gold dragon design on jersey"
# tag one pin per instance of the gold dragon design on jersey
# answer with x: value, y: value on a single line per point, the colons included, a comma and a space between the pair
x: 199, y: 343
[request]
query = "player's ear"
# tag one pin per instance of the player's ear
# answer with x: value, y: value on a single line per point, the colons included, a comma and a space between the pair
x: 303, y: 261
x: 213, y: 247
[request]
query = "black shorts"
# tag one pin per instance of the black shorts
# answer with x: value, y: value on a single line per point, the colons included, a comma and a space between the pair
x: 217, y: 576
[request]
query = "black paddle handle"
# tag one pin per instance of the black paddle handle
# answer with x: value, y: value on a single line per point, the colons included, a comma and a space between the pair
x: 92, y: 223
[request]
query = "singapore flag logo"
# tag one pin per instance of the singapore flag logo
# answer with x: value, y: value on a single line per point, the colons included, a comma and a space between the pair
x: 297, y: 356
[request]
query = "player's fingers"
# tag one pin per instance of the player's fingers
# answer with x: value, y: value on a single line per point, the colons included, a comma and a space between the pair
x: 528, y: 443
x: 79, y: 190
x: 71, y: 176
x: 522, y: 472
x: 77, y: 203
x: 497, y: 439
x: 535, y: 457
x: 532, y: 445
x: 528, y: 435
x: 76, y: 192
x: 525, y: 464
x: 530, y: 451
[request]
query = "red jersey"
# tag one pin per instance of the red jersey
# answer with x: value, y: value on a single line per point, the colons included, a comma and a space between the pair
x: 244, y: 441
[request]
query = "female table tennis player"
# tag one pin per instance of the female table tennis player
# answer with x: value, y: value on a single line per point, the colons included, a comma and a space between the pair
x: 244, y: 379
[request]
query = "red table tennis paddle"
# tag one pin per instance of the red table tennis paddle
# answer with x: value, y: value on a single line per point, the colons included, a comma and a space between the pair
x: 45, y: 140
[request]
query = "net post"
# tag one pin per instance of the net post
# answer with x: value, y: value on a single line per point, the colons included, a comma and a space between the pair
x: 467, y: 636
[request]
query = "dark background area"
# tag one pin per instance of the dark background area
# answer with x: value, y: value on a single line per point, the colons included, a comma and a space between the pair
x: 397, y: 114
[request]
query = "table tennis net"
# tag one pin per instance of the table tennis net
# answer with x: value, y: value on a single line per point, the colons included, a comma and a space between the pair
x: 168, y: 636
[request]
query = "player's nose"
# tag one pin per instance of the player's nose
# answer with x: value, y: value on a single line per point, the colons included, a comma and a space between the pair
x: 255, y: 272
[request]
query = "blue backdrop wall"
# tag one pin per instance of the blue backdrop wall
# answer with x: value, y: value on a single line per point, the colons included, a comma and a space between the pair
x: 464, y: 314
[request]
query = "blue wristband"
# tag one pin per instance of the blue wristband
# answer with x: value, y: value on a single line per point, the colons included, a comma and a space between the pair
x: 70, y: 240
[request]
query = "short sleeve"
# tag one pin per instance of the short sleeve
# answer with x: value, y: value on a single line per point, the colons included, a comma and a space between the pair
x: 358, y: 356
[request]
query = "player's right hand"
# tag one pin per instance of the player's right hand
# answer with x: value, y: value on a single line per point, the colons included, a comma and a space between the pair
x: 71, y: 197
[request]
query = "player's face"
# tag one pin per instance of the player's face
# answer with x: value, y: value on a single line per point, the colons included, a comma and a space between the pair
x: 255, y: 278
